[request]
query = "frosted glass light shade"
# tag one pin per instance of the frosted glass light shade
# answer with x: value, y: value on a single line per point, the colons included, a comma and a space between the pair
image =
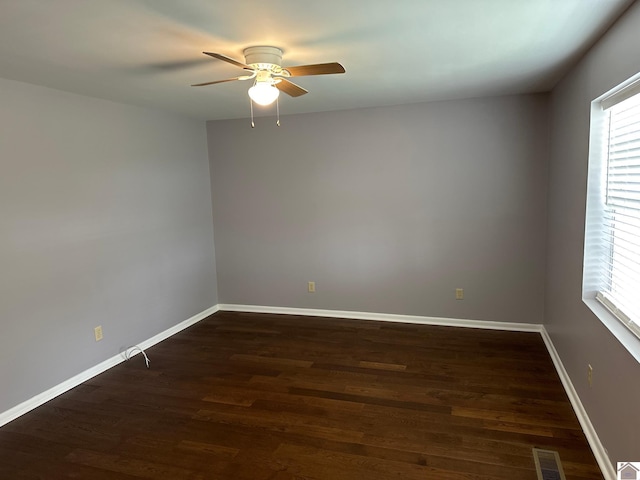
x: 263, y: 93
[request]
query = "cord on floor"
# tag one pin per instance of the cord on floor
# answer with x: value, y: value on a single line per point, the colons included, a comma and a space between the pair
x: 129, y: 353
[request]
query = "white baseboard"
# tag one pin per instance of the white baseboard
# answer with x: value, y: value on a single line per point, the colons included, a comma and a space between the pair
x: 28, y: 405
x: 385, y: 317
x: 175, y: 329
x: 589, y: 431
x: 587, y: 427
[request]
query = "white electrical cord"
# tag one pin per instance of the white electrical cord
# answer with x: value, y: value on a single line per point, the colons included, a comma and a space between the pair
x: 129, y: 353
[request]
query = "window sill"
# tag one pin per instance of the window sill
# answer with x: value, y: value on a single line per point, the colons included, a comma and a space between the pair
x: 625, y: 336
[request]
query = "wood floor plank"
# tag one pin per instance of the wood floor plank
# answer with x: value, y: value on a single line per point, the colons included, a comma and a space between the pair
x: 245, y: 396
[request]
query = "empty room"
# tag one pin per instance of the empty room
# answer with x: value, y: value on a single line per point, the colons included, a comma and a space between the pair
x: 332, y: 240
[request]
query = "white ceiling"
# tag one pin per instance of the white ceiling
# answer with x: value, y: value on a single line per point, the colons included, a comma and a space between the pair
x: 148, y: 52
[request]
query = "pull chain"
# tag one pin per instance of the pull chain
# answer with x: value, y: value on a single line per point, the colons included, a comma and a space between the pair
x: 253, y: 125
x: 278, y: 111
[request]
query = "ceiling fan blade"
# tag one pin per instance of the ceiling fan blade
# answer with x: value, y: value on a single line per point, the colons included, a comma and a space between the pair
x: 228, y: 60
x: 318, y: 69
x: 290, y: 88
x: 217, y: 81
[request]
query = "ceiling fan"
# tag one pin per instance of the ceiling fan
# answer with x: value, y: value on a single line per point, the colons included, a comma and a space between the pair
x: 270, y: 77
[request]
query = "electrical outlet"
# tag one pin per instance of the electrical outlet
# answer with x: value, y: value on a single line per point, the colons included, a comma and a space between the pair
x: 311, y: 287
x: 459, y: 293
x: 98, y: 333
x: 590, y: 375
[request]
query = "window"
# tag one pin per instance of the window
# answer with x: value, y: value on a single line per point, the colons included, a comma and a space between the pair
x: 620, y: 289
x: 612, y: 243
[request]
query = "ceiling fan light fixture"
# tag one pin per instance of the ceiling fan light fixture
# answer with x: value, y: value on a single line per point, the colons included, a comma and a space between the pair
x: 264, y: 93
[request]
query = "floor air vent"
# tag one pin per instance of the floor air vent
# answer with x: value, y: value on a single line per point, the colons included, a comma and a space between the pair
x: 548, y: 465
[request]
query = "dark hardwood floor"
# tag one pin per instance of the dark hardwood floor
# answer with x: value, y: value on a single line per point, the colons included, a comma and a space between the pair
x: 257, y: 397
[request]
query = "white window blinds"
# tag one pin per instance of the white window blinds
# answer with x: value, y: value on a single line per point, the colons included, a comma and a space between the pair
x: 620, y: 262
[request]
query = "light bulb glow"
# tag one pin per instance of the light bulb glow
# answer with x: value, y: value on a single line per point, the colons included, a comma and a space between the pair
x: 263, y: 93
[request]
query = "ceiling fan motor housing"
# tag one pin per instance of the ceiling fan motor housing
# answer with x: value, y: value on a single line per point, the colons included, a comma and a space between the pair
x: 264, y: 58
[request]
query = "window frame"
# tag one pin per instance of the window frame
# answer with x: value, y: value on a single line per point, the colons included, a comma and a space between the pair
x: 595, y: 212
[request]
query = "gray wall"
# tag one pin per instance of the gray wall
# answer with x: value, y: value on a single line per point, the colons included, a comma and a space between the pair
x: 613, y: 401
x: 105, y: 219
x: 387, y: 209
